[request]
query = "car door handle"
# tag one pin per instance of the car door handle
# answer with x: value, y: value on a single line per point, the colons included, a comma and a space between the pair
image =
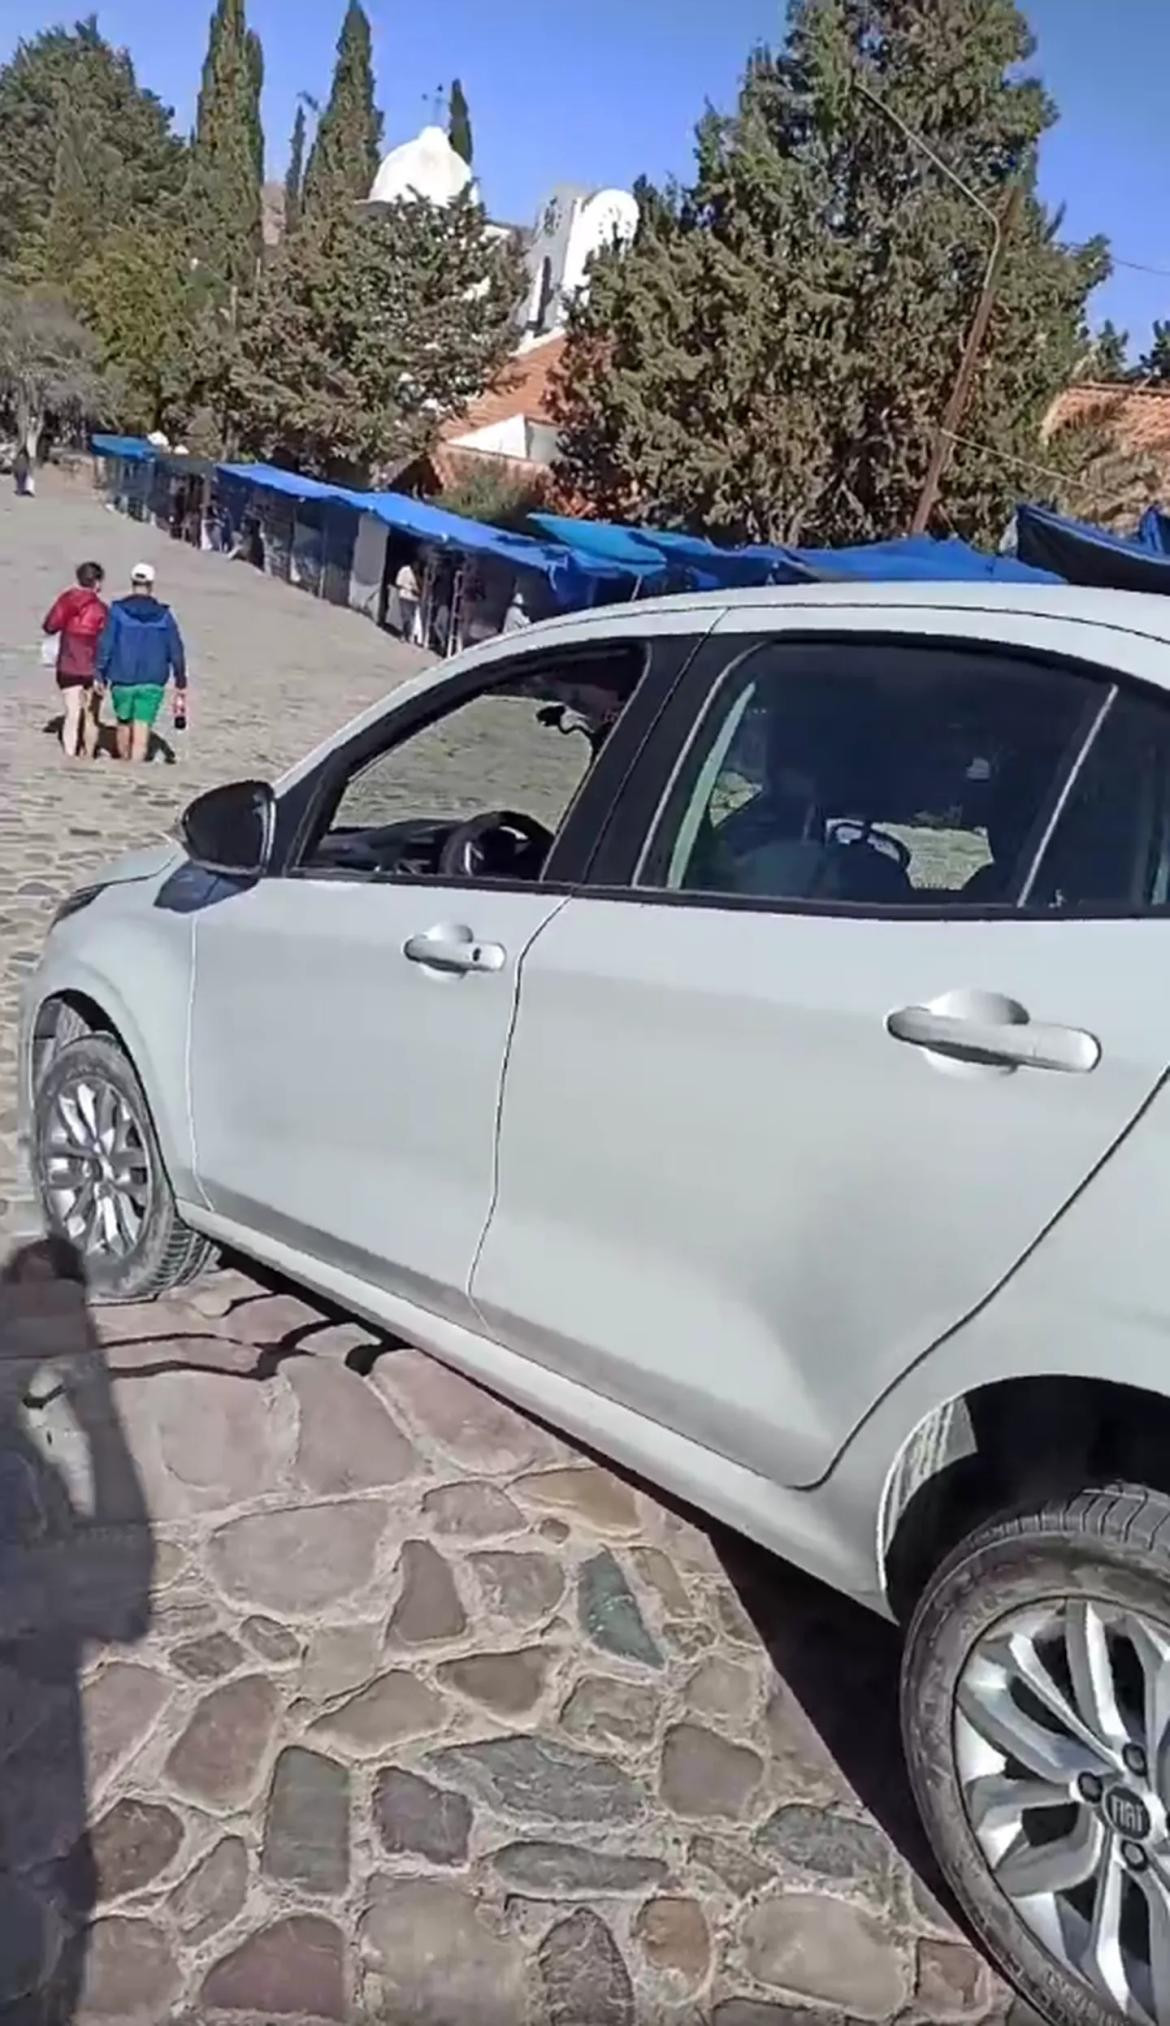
x: 1018, y: 1044
x: 455, y: 950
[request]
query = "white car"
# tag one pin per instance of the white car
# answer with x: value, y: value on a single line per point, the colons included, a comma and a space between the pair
x: 736, y: 1028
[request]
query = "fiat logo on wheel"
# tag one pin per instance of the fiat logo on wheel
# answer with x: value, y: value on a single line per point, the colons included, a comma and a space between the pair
x: 1127, y: 1814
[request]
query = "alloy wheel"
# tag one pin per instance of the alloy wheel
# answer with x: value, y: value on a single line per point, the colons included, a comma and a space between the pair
x: 96, y: 1167
x: 1062, y: 1743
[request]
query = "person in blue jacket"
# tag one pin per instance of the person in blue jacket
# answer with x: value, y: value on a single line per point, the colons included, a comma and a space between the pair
x: 140, y: 651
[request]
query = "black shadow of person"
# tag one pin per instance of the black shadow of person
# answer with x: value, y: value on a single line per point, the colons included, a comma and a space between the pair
x: 76, y: 1560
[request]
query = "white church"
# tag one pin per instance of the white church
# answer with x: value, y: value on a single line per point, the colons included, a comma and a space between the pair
x: 513, y: 421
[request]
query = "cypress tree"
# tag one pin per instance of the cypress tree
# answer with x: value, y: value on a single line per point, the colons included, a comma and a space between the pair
x: 344, y: 156
x: 295, y: 174
x: 255, y: 54
x: 459, y: 124
x: 223, y: 195
x: 1107, y: 358
x: 84, y: 180
x: 771, y: 357
x: 1154, y: 365
x: 370, y: 328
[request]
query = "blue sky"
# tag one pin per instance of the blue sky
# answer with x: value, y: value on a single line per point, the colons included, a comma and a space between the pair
x: 597, y: 93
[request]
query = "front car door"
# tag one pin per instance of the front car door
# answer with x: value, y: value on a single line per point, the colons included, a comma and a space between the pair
x: 846, y: 1020
x: 352, y: 1010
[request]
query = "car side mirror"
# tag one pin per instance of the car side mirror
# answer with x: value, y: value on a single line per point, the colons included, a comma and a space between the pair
x: 230, y: 830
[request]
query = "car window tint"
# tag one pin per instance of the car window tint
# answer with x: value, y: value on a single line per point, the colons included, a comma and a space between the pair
x: 1111, y: 846
x: 524, y: 745
x: 850, y: 772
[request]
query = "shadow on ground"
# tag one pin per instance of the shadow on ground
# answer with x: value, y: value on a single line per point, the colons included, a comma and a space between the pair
x: 841, y: 1662
x: 160, y: 748
x: 76, y: 1559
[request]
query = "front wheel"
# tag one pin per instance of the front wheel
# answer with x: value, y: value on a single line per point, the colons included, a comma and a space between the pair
x: 101, y: 1178
x: 1036, y: 1719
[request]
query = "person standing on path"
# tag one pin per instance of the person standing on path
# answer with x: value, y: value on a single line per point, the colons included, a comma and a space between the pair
x: 78, y: 617
x: 140, y: 651
x: 406, y: 585
x: 22, y: 473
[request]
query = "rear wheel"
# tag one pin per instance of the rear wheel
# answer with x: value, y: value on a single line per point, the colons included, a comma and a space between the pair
x: 1036, y: 1716
x: 100, y: 1175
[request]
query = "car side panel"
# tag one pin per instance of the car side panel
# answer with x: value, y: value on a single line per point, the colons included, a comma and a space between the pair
x: 133, y: 960
x: 1091, y: 1300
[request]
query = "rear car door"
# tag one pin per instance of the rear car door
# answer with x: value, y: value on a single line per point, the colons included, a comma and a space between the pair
x: 849, y: 1015
x: 352, y: 1011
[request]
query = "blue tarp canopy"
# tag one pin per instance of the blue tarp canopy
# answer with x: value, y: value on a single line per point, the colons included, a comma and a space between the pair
x: 631, y: 550
x: 707, y: 567
x: 568, y: 575
x: 135, y: 449
x: 585, y: 560
x: 571, y: 579
x: 1154, y: 530
x: 656, y: 554
x: 291, y: 482
x: 915, y: 558
x: 716, y: 569
x: 1084, y: 554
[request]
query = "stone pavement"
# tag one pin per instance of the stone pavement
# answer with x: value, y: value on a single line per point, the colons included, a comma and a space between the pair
x: 396, y: 1708
x: 272, y: 671
x: 331, y: 1688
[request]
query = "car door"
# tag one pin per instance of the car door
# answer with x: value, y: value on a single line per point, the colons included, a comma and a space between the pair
x: 851, y: 1012
x: 349, y: 1024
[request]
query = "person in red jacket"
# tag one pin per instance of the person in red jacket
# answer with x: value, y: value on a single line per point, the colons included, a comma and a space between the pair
x: 79, y: 618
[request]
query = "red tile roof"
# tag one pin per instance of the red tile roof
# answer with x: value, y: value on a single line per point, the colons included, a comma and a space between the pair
x: 1139, y: 417
x: 522, y: 389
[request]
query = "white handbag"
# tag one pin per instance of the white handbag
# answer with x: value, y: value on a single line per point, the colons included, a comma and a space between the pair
x: 49, y: 652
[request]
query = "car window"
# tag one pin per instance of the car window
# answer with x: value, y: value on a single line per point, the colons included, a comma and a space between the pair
x: 1110, y: 848
x: 852, y: 772
x: 517, y: 751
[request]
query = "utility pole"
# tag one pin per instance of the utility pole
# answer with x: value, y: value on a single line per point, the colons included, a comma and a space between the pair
x: 1000, y: 226
x: 961, y: 391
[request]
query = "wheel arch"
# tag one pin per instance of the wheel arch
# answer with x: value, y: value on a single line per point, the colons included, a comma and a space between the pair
x: 78, y: 1003
x: 1010, y: 1442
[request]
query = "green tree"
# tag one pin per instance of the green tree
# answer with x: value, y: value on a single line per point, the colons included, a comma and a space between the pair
x: 368, y: 331
x: 1154, y: 364
x: 254, y: 51
x: 344, y: 156
x: 1107, y: 356
x: 295, y: 173
x: 49, y: 366
x: 84, y: 187
x: 133, y: 294
x: 223, y: 189
x: 771, y: 357
x: 459, y: 124
x: 485, y: 488
x: 83, y: 149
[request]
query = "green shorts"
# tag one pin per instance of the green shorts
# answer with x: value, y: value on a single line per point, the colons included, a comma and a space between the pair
x: 139, y: 704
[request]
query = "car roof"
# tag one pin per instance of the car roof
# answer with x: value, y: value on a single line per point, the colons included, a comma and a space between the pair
x: 1142, y: 612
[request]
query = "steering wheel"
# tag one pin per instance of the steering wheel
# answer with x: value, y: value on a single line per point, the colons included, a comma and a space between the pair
x: 848, y: 831
x: 500, y: 844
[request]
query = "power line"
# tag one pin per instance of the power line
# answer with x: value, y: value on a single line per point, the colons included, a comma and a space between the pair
x: 1140, y: 266
x: 1029, y: 464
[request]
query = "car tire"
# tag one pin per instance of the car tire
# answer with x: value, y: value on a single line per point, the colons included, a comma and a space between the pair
x: 1082, y: 1584
x: 101, y: 1178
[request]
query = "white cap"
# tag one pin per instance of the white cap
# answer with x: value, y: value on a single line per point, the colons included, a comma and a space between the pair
x: 142, y: 573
